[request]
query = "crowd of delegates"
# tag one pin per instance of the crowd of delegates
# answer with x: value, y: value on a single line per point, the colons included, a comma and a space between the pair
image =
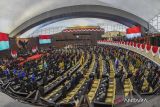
x: 102, y: 90
x: 145, y: 68
x: 36, y: 74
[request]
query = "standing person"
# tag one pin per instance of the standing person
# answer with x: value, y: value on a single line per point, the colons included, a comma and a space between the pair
x: 41, y: 90
x: 45, y: 80
x: 29, y: 87
x: 45, y: 65
x: 33, y: 78
x: 122, y: 74
x: 7, y: 73
x: 64, y: 90
x: 1, y: 72
x: 116, y: 64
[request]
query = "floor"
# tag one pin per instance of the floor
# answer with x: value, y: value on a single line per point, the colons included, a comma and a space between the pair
x: 155, y: 102
x: 6, y: 101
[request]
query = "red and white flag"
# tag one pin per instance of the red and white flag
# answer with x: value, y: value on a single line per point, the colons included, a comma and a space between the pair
x: 34, y: 49
x: 4, y: 41
x: 14, y: 53
x: 44, y: 39
x: 133, y: 32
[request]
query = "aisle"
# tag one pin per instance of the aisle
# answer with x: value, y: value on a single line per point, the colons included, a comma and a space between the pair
x: 119, y: 90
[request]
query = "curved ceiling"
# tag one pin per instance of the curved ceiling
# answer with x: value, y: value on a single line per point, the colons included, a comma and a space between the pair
x: 16, y: 12
x: 56, y: 27
x: 77, y: 11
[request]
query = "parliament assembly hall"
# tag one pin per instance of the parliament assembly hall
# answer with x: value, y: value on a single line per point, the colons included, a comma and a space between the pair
x: 80, y: 53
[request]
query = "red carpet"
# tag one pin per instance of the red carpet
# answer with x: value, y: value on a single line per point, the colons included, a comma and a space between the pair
x: 34, y: 57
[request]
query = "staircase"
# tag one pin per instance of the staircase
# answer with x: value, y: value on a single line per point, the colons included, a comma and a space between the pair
x: 94, y: 89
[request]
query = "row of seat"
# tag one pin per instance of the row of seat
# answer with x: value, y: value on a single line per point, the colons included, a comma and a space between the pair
x: 52, y: 80
x: 112, y: 85
x: 93, y: 74
x: 101, y: 93
x: 55, y: 92
x: 88, y: 81
x: 72, y: 93
x: 96, y: 82
x: 141, y: 75
x: 128, y: 87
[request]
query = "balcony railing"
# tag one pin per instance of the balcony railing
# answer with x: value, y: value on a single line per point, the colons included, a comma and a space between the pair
x: 149, y: 51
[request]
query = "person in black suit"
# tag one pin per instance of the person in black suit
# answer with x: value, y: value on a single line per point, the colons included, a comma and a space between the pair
x: 64, y: 90
x: 45, y: 80
x: 41, y: 90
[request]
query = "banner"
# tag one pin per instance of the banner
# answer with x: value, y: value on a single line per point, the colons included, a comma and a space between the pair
x: 133, y: 32
x: 44, y: 39
x: 4, y: 41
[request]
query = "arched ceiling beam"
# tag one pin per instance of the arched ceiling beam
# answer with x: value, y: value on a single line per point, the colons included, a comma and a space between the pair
x: 78, y: 11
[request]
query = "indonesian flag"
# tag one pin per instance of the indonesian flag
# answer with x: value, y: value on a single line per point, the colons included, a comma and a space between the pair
x: 34, y: 49
x: 4, y: 41
x: 133, y: 32
x: 44, y: 39
x: 14, y: 53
